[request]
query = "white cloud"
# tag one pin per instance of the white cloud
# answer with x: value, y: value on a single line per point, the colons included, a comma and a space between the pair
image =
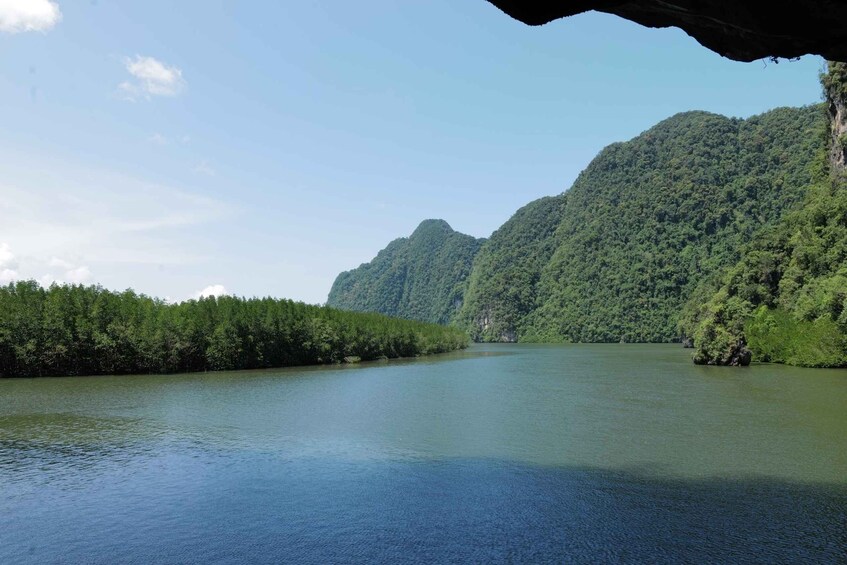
x: 7, y: 258
x: 8, y: 275
x: 151, y: 77
x: 211, y: 290
x: 69, y: 225
x: 8, y: 265
x: 62, y: 271
x: 17, y: 16
x: 78, y: 275
x: 46, y: 280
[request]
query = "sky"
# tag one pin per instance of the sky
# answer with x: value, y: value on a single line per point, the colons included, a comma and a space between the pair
x: 260, y: 148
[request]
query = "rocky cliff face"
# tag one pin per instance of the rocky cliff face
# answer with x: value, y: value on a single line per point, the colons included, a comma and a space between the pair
x: 743, y: 31
x: 835, y: 90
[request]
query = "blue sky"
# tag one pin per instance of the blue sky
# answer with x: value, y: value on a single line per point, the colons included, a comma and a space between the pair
x: 263, y: 147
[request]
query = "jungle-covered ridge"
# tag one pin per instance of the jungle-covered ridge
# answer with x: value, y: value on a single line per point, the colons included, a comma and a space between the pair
x: 722, y: 231
x: 421, y: 277
x: 88, y: 330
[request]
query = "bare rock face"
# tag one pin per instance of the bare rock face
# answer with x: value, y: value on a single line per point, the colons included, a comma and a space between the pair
x: 835, y: 89
x: 743, y: 31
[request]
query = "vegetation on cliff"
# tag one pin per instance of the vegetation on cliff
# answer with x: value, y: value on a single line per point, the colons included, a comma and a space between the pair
x: 650, y: 224
x: 87, y: 330
x: 647, y: 222
x: 503, y: 286
x: 650, y: 218
x: 786, y: 299
x: 422, y: 277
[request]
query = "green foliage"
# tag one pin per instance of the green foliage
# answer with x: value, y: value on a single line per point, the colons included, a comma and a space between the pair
x: 78, y: 330
x: 777, y: 336
x: 793, y: 283
x: 796, y: 283
x: 719, y: 336
x: 834, y: 81
x: 422, y: 277
x: 650, y: 222
x: 503, y: 286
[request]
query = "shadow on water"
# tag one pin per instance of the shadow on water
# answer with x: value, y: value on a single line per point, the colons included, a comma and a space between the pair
x: 318, y: 510
x: 505, y: 454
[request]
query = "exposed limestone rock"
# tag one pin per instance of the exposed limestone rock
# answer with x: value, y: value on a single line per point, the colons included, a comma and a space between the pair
x: 835, y: 88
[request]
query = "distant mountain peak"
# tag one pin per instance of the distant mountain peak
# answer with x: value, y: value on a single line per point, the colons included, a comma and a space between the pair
x: 419, y: 277
x: 432, y: 225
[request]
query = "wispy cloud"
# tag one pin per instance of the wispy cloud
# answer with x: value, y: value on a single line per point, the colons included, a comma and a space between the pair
x: 17, y: 16
x: 204, y: 168
x: 150, y: 77
x: 65, y: 222
x: 158, y: 139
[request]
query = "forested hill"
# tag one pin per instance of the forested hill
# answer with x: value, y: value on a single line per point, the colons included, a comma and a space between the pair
x: 88, y: 330
x: 650, y: 223
x: 651, y: 219
x: 422, y: 277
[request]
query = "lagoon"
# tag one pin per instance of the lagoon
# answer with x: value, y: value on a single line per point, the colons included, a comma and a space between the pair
x: 500, y: 453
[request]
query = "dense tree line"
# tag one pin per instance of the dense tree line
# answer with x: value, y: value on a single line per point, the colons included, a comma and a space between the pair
x: 786, y: 299
x: 88, y: 330
x: 422, y: 277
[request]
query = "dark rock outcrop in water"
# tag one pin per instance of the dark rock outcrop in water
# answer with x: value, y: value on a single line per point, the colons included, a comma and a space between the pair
x: 743, y: 31
x: 736, y: 355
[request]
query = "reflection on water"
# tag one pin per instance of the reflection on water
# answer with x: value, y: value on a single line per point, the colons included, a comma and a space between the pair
x: 528, y: 453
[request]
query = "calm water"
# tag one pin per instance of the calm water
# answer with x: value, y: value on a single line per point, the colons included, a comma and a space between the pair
x: 501, y: 453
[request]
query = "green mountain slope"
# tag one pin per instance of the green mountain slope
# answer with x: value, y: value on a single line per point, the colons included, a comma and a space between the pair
x: 422, y: 277
x: 649, y: 225
x: 651, y: 218
x: 503, y: 286
x: 786, y: 299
